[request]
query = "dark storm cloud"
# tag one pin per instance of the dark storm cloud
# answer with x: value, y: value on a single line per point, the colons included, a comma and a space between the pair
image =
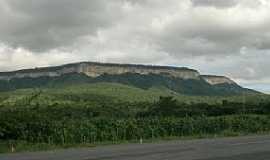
x: 40, y: 25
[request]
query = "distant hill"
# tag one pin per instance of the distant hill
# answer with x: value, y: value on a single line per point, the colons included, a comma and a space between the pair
x: 177, y: 79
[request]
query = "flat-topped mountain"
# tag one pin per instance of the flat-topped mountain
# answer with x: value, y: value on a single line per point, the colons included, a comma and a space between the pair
x: 178, y: 79
x: 93, y: 69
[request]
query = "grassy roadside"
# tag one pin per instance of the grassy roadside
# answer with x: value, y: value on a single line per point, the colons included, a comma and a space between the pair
x: 22, y: 146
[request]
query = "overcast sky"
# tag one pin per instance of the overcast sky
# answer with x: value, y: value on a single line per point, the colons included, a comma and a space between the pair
x: 224, y: 37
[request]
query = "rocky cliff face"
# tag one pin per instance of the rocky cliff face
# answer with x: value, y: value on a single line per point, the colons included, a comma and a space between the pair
x: 92, y: 69
x: 97, y: 69
x: 214, y: 80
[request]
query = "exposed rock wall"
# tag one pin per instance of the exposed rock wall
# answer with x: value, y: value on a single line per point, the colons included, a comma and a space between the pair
x: 97, y: 69
x: 214, y: 80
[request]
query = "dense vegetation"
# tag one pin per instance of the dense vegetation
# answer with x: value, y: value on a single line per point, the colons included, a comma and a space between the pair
x: 178, y: 85
x: 110, y: 112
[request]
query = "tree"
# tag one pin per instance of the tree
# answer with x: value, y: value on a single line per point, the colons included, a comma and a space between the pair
x: 166, y: 106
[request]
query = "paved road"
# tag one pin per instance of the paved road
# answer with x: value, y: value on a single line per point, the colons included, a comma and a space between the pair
x: 244, y: 148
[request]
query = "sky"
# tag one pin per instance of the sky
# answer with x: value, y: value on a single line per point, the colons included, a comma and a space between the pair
x: 221, y: 37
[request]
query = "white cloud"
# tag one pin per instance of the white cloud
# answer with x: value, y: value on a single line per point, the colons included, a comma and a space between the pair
x: 20, y: 58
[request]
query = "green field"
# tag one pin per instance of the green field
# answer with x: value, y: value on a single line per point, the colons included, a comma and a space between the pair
x: 90, y: 114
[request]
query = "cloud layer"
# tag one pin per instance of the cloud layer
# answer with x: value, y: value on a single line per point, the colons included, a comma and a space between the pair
x: 229, y: 37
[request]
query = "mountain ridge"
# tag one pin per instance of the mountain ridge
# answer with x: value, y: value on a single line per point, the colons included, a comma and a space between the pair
x: 94, y: 69
x: 47, y: 68
x: 180, y: 79
x: 81, y: 67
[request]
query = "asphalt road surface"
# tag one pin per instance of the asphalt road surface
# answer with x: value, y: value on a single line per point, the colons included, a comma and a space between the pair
x: 240, y: 148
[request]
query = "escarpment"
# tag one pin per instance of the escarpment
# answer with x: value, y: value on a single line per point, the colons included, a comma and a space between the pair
x: 177, y: 79
x: 97, y: 69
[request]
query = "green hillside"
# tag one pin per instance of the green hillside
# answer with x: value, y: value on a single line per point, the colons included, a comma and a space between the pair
x: 143, y: 82
x: 112, y: 92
